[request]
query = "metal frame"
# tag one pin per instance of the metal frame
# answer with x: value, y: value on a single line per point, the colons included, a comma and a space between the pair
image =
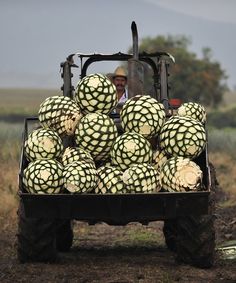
x: 158, y: 61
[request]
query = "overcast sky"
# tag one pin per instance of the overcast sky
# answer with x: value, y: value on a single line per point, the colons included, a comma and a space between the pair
x: 215, y: 10
x: 36, y: 36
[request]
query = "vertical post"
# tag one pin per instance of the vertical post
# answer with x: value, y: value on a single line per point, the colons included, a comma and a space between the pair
x: 164, y: 87
x: 66, y: 75
x: 135, y: 67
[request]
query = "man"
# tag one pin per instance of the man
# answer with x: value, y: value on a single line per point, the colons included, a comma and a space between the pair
x: 120, y: 81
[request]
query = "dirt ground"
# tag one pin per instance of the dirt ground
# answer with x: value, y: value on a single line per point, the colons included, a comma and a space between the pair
x: 117, y: 254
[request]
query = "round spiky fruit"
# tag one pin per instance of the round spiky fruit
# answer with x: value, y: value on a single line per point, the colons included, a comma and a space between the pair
x: 182, y: 136
x: 141, y: 178
x: 130, y: 148
x: 79, y: 177
x: 179, y: 174
x: 59, y: 113
x: 142, y: 114
x: 43, y: 177
x: 43, y: 144
x: 72, y: 154
x: 109, y: 180
x: 159, y: 158
x: 96, y: 133
x: 96, y: 93
x: 192, y: 110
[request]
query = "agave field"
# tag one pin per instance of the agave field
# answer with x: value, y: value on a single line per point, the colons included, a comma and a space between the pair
x: 132, y: 254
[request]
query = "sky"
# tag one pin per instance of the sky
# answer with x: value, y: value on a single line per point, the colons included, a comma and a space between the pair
x: 36, y: 36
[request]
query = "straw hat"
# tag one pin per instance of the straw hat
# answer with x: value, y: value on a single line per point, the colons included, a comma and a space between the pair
x: 120, y: 72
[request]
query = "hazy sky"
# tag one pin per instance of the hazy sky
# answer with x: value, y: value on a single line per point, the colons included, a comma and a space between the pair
x: 36, y: 36
x: 215, y: 10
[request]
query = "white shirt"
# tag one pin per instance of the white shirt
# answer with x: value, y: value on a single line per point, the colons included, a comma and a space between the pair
x: 124, y: 97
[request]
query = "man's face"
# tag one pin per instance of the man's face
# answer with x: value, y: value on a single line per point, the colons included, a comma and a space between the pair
x: 120, y: 83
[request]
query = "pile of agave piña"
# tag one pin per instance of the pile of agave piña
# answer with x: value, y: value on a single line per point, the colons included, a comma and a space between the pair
x: 104, y: 161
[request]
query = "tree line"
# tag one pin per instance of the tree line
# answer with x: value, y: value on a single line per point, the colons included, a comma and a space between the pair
x: 194, y: 79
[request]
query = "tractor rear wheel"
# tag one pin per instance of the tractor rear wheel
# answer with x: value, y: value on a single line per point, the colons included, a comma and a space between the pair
x: 196, y: 241
x: 170, y: 234
x: 64, y: 236
x: 36, y: 238
x: 196, y: 234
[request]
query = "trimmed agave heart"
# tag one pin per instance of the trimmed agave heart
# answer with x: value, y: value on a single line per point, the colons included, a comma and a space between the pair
x: 179, y: 174
x: 109, y: 180
x: 143, y: 114
x: 182, y: 136
x: 141, y: 178
x: 96, y: 133
x: 130, y: 148
x: 43, y: 144
x: 192, y: 110
x: 159, y: 158
x: 72, y: 154
x: 43, y: 177
x: 96, y: 93
x: 79, y: 177
x: 59, y: 113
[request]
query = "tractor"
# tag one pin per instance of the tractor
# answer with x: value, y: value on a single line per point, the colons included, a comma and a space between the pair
x: 45, y: 220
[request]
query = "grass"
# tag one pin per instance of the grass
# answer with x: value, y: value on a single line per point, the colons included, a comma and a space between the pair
x: 225, y: 167
x: 222, y: 141
x: 10, y: 143
x: 138, y: 237
x: 10, y: 140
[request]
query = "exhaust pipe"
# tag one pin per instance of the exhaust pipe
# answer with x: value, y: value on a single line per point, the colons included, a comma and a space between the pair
x: 135, y: 68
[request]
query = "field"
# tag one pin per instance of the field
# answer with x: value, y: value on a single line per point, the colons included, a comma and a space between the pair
x: 23, y: 101
x: 103, y: 253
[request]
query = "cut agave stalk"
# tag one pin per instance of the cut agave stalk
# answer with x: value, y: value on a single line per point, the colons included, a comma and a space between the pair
x: 179, y: 174
x: 96, y: 93
x: 110, y: 181
x: 59, y: 113
x: 130, y: 148
x: 141, y: 178
x: 144, y: 115
x: 43, y: 144
x: 192, y: 110
x: 43, y: 177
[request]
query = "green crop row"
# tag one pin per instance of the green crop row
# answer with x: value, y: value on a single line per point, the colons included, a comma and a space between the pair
x: 10, y: 140
x: 222, y: 140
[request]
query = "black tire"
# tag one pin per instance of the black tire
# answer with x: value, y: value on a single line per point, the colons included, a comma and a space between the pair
x: 196, y: 234
x: 36, y: 238
x: 196, y: 241
x: 64, y: 236
x: 170, y: 234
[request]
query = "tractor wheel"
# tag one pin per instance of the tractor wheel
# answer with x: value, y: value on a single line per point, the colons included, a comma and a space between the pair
x: 196, y: 234
x: 64, y: 236
x: 36, y: 238
x: 196, y: 240
x: 170, y: 234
